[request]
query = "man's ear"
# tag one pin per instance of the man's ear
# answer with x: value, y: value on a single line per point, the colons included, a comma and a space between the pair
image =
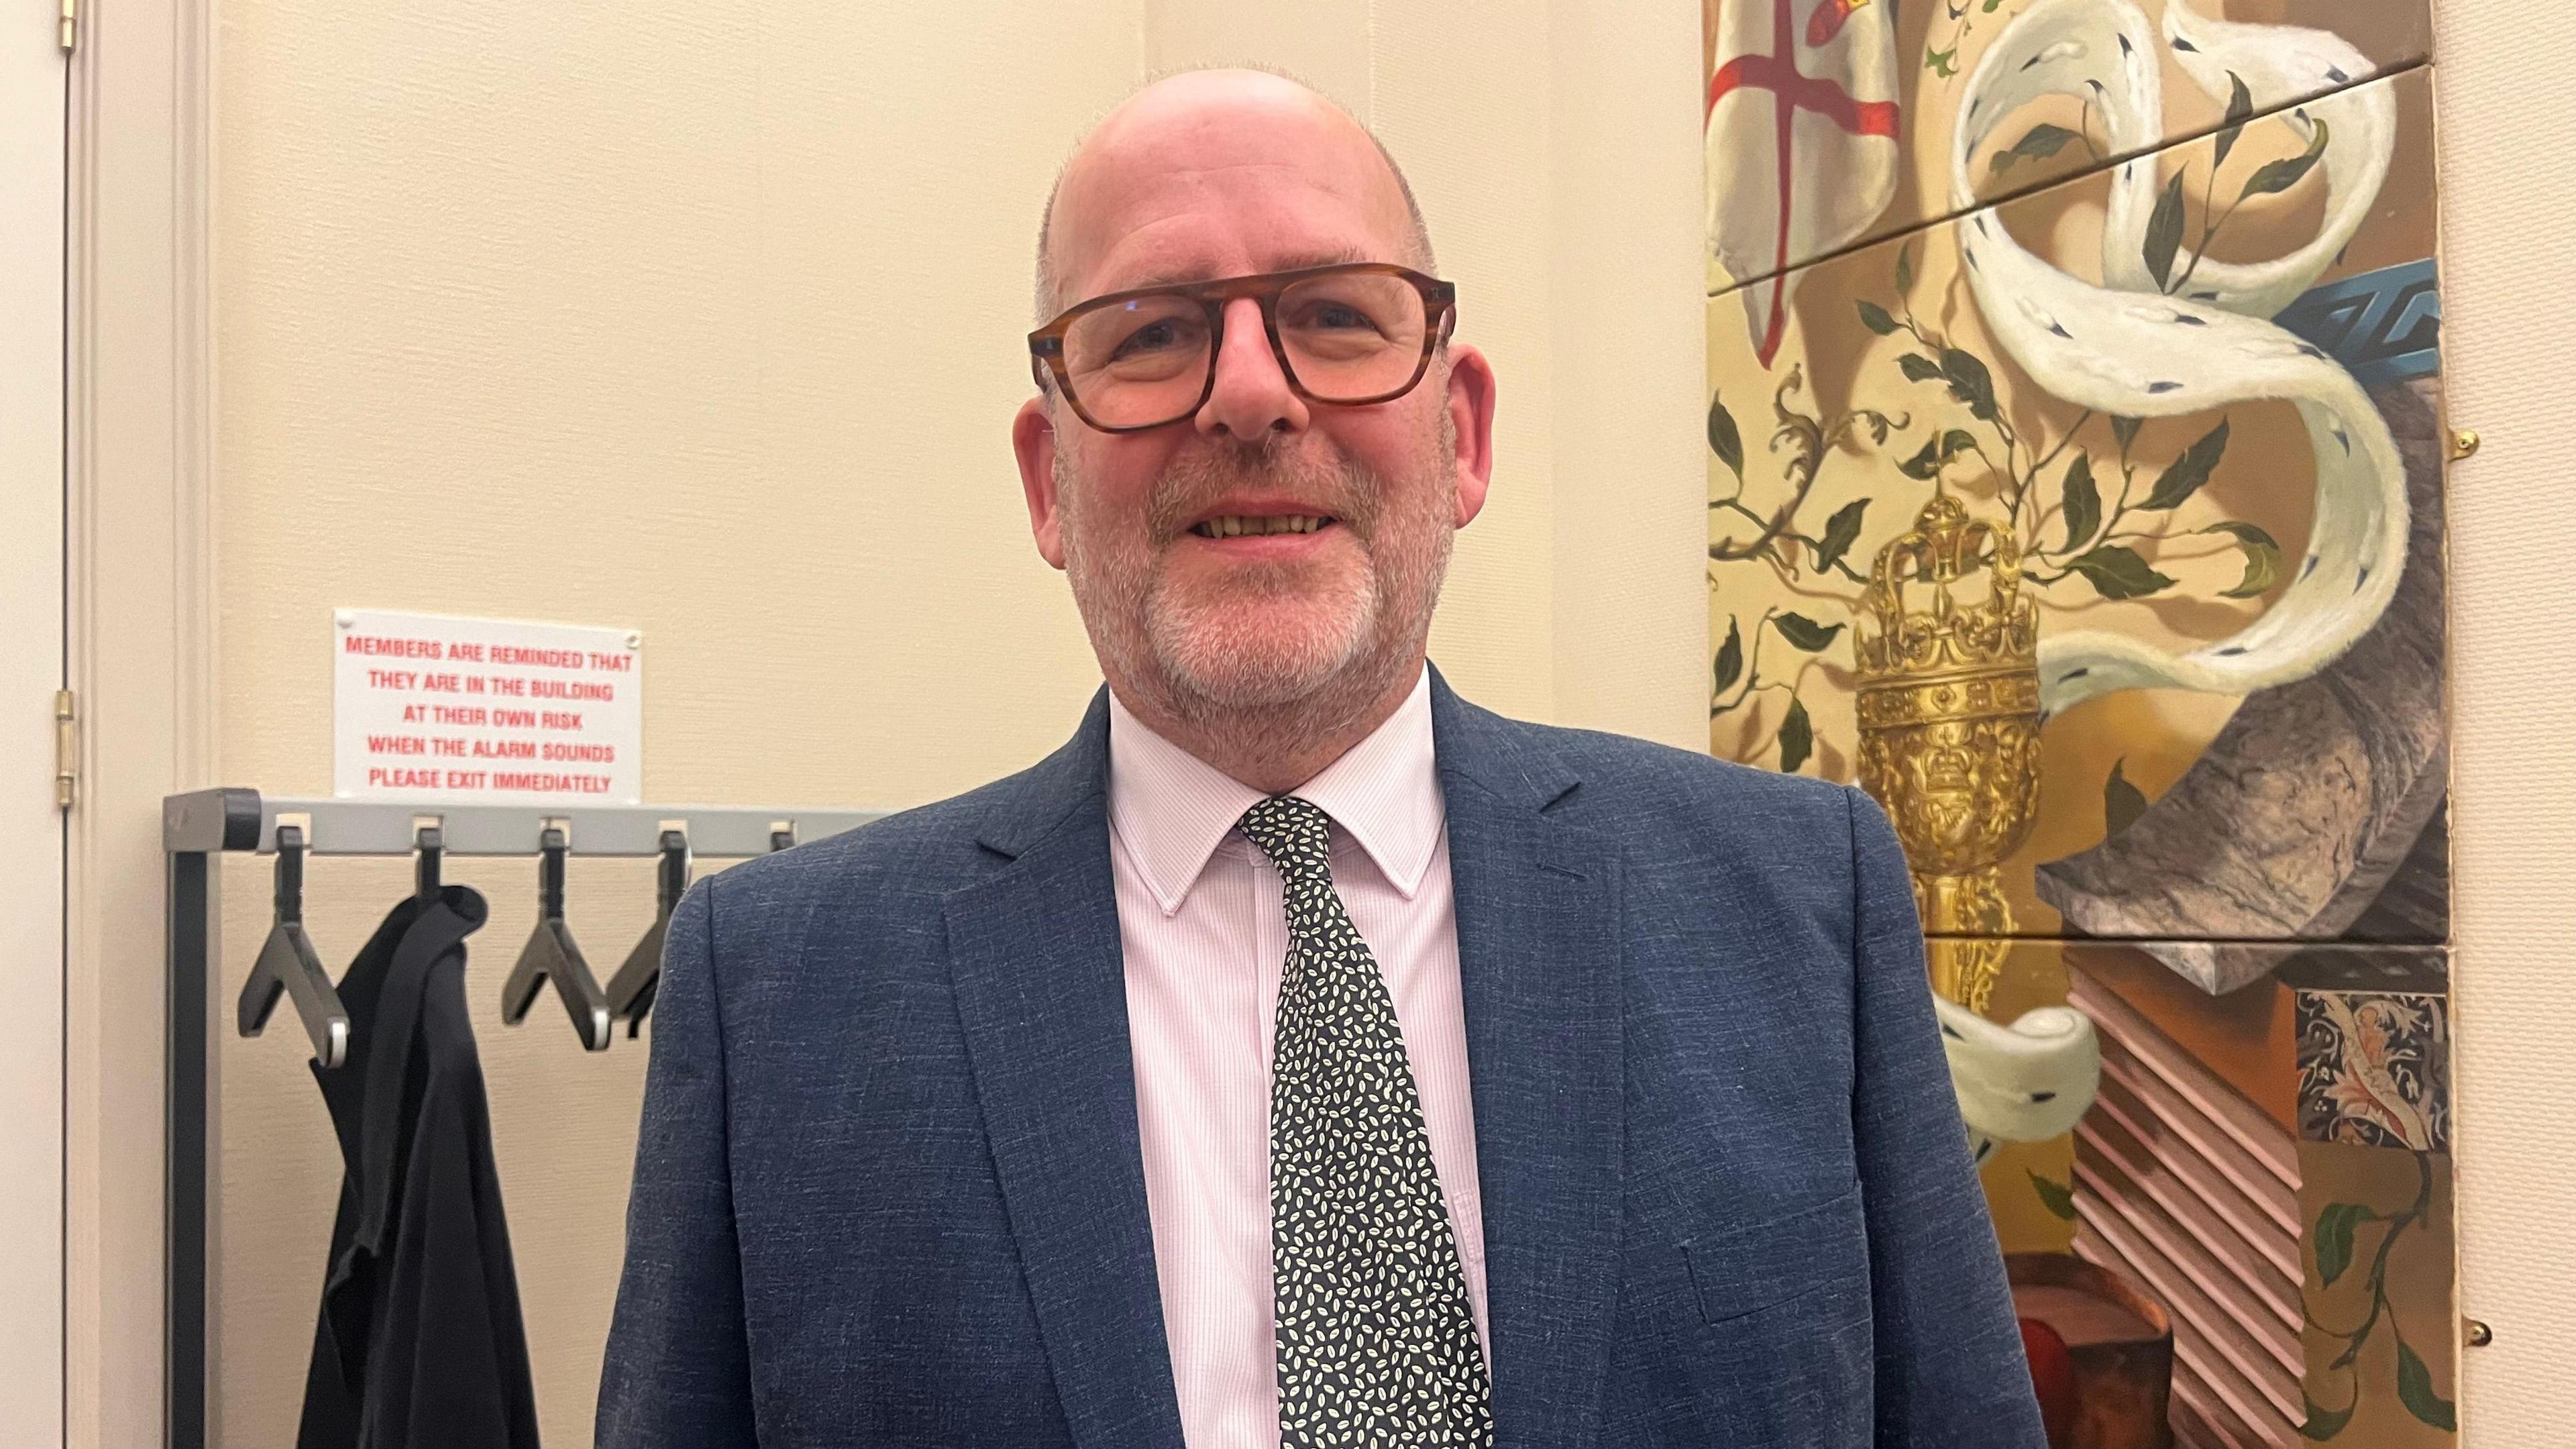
x: 1033, y: 440
x: 1471, y: 420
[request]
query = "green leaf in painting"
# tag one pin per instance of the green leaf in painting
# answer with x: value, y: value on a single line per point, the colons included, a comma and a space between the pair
x: 1969, y: 382
x: 2125, y: 430
x: 2242, y: 532
x: 2164, y: 232
x: 1935, y: 452
x: 2184, y: 477
x: 2335, y: 1223
x: 1943, y: 63
x: 1918, y: 368
x: 2122, y: 802
x: 1840, y: 532
x: 2323, y: 1423
x: 2119, y: 573
x: 1797, y: 736
x: 2042, y: 142
x: 1804, y: 632
x: 1730, y: 657
x: 2283, y: 174
x: 1875, y: 318
x: 2415, y: 1391
x: 1905, y: 269
x: 2240, y: 105
x: 2057, y: 1197
x: 1723, y: 439
x: 2083, y: 502
x: 2262, y: 571
x: 2262, y: 559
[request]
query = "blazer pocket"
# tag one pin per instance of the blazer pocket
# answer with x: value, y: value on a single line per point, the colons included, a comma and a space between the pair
x: 1745, y: 1268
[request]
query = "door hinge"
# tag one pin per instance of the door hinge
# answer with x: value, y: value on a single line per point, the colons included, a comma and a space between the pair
x: 70, y: 32
x: 66, y: 749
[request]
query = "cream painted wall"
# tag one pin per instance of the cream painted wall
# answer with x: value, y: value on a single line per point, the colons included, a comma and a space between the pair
x: 704, y: 320
x: 2508, y: 209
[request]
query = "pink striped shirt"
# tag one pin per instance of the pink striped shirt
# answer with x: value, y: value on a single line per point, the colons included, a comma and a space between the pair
x: 1204, y: 928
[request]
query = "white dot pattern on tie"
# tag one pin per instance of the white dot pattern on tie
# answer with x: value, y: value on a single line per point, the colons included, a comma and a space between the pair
x: 1376, y: 1339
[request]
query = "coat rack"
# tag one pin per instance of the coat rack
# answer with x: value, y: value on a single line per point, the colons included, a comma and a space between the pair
x: 202, y: 824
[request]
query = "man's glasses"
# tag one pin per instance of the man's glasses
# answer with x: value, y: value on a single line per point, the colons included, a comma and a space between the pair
x: 1361, y: 332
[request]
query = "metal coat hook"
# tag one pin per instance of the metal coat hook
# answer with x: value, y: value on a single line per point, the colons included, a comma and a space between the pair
x: 288, y: 965
x: 630, y: 991
x: 551, y: 954
x: 429, y: 843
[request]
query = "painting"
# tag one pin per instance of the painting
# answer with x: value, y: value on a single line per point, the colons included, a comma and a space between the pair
x: 2099, y: 532
x: 2076, y: 488
x: 2227, y: 1218
x: 1826, y: 120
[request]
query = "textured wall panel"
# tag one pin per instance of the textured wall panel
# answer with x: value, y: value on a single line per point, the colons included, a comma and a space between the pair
x: 2508, y: 207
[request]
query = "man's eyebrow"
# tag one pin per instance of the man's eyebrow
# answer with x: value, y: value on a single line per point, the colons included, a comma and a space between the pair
x: 1189, y: 273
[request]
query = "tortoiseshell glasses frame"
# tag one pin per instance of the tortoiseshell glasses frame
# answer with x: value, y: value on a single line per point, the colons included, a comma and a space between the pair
x: 1345, y: 365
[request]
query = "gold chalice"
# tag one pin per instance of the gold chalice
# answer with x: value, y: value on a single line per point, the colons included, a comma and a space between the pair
x: 1949, y: 728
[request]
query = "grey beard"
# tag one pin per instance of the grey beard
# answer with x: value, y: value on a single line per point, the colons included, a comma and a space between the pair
x: 1152, y: 641
x: 1274, y: 715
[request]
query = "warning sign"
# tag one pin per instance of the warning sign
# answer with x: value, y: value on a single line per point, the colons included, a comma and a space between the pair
x: 424, y: 706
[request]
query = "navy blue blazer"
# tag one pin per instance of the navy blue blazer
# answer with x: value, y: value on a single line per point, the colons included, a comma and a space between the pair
x: 889, y: 1192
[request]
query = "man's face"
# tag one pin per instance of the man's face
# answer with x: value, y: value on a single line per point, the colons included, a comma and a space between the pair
x: 1188, y: 601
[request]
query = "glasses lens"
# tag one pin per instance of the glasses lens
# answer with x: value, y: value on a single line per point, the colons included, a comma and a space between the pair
x: 1138, y: 363
x: 1352, y: 336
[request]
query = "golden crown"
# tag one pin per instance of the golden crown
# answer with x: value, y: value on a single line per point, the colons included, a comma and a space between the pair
x: 1980, y: 658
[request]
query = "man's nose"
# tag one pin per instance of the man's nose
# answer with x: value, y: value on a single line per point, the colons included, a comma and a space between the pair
x: 1251, y: 398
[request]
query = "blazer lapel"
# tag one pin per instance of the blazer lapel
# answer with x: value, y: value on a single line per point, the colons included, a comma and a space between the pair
x: 1538, y: 948
x: 1034, y: 955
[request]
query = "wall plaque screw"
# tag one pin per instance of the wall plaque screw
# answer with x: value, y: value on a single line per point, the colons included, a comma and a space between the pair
x: 2463, y: 443
x: 2475, y: 1334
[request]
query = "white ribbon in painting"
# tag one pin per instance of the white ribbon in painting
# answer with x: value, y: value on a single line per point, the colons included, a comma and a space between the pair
x: 2123, y: 348
x: 2026, y: 1082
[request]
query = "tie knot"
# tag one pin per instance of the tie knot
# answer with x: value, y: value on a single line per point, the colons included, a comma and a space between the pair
x: 1296, y: 834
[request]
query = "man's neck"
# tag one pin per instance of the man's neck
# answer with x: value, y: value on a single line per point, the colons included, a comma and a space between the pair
x: 1275, y: 751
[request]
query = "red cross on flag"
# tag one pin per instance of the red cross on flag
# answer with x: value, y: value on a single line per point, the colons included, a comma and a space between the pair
x: 1802, y: 140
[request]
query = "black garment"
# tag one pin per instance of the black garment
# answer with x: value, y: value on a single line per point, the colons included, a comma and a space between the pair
x: 420, y: 1343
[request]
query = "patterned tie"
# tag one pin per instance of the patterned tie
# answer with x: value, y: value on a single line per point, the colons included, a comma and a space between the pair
x: 1376, y: 1340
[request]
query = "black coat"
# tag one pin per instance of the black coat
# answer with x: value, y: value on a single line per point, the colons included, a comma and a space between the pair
x: 420, y: 1343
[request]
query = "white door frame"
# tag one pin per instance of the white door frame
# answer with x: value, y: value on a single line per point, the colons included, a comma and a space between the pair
x: 32, y: 70
x: 140, y: 621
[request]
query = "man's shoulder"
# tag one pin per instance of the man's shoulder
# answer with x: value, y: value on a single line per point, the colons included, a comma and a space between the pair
x: 921, y: 853
x: 1628, y: 783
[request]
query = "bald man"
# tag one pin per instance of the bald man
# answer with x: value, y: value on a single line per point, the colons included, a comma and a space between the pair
x: 1300, y: 1055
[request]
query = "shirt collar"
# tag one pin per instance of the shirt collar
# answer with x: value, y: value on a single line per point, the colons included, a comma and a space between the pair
x: 1171, y: 809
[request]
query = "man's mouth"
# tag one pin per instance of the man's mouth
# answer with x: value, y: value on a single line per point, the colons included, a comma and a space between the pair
x: 1235, y: 525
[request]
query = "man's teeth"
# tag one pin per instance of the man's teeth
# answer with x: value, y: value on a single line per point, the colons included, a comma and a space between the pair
x: 1236, y: 526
